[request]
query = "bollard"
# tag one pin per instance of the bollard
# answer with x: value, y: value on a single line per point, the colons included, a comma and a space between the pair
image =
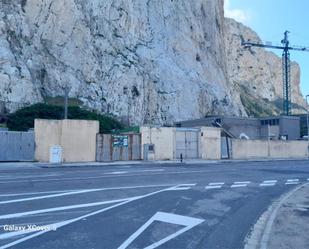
x: 180, y: 157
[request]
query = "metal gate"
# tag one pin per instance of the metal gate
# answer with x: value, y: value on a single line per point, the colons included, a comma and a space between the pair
x: 108, y: 150
x: 16, y: 146
x: 187, y: 143
x: 226, y: 146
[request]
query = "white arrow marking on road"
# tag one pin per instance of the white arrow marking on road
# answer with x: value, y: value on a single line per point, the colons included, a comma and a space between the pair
x: 67, y: 222
x: 186, y: 221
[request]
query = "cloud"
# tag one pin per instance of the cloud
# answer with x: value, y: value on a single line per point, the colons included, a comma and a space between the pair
x: 237, y: 14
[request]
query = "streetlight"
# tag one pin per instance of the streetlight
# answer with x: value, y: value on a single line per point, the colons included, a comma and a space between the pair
x: 307, y: 122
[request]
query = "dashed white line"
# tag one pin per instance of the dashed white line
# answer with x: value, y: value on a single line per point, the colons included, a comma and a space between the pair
x: 292, y: 181
x: 268, y: 183
x: 116, y: 173
x: 239, y: 185
x: 245, y: 182
x: 214, y: 185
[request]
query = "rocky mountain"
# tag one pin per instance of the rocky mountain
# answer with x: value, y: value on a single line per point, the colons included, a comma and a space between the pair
x: 257, y: 73
x: 146, y: 61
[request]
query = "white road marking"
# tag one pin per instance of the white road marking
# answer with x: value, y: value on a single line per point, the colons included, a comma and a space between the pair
x: 183, y: 187
x: 149, y: 170
x: 268, y: 183
x: 116, y: 173
x: 27, y: 176
x: 245, y: 182
x: 67, y: 222
x: 214, y: 185
x: 186, y: 221
x: 36, y: 193
x: 48, y: 210
x: 292, y: 181
x: 239, y: 185
x: 78, y: 192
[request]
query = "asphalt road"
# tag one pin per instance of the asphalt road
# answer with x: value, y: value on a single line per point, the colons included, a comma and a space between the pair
x: 201, y: 206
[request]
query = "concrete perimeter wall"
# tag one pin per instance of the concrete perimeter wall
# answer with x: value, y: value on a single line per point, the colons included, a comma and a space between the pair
x: 164, y: 140
x: 76, y: 137
x: 210, y: 143
x: 289, y: 149
x: 254, y: 149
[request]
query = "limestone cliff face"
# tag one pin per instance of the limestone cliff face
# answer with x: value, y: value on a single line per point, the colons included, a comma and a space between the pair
x: 152, y: 61
x: 257, y: 73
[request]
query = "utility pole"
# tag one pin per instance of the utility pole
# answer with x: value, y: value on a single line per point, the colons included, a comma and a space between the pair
x: 307, y: 121
x: 66, y: 97
x: 286, y: 66
x: 268, y: 140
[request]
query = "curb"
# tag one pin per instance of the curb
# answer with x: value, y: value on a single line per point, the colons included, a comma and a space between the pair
x: 266, y: 221
x: 141, y: 162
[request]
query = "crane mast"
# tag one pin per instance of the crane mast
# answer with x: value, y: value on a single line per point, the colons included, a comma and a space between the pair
x: 286, y: 66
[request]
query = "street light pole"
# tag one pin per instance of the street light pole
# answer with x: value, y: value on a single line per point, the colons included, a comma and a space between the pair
x: 66, y: 97
x: 307, y: 122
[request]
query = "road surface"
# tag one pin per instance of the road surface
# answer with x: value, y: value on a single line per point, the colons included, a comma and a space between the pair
x: 172, y: 206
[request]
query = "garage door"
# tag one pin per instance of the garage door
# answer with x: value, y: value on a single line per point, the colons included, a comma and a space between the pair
x: 187, y: 143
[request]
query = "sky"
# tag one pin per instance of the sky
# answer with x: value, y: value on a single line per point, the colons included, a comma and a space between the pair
x: 270, y: 18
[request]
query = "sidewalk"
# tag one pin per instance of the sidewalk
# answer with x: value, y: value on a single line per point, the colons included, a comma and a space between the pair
x: 137, y: 163
x: 290, y: 227
x: 285, y: 224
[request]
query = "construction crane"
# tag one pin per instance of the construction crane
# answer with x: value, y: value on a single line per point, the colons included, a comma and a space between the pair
x: 286, y: 66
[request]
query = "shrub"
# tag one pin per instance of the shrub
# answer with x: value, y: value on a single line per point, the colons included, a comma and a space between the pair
x: 23, y: 119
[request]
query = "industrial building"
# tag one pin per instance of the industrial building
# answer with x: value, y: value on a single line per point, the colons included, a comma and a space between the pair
x: 280, y: 127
